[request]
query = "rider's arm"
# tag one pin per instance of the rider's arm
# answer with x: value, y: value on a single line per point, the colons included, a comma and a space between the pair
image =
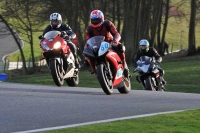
x: 157, y: 56
x: 69, y: 31
x: 114, y: 32
x: 87, y: 36
x: 47, y: 29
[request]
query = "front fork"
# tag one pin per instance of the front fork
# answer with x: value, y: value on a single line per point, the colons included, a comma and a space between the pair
x: 94, y: 63
x: 109, y: 70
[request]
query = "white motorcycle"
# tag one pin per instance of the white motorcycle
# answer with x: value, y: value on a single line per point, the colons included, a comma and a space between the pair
x: 149, y: 74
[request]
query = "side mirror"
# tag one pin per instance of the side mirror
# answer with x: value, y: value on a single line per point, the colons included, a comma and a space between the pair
x: 40, y: 37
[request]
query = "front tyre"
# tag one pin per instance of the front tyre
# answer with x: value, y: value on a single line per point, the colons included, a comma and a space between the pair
x: 72, y: 81
x: 56, y: 72
x: 104, y: 79
x: 149, y: 85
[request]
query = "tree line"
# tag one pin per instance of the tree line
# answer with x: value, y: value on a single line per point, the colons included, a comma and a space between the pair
x: 134, y: 19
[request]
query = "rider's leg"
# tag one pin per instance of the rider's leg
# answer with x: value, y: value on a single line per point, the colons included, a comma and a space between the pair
x: 74, y: 51
x: 123, y: 58
x: 89, y: 64
x: 121, y: 52
x: 162, y: 75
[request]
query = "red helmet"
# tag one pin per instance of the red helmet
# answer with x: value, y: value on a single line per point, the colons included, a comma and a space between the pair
x: 97, y: 18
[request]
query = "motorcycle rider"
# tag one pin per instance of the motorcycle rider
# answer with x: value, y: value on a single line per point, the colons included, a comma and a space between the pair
x: 57, y: 24
x: 101, y: 27
x: 145, y: 50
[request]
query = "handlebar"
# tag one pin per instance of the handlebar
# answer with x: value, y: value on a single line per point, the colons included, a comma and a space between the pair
x: 41, y: 37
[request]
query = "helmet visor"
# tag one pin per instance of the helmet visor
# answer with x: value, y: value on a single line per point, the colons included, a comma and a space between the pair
x: 54, y: 22
x: 95, y: 21
x: 143, y: 46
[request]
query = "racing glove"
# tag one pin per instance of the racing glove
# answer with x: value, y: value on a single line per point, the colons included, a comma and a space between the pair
x: 114, y: 43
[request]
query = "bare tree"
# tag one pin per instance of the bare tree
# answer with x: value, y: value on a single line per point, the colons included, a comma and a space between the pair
x: 164, y: 6
x: 129, y: 32
x: 24, y: 19
x: 17, y: 40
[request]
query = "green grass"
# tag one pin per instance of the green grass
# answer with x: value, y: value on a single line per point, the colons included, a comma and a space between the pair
x: 183, y: 122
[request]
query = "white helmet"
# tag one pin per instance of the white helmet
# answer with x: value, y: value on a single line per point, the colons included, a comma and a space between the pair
x: 144, y: 45
x: 55, y: 20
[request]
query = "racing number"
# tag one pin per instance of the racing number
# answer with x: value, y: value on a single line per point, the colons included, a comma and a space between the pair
x: 105, y: 45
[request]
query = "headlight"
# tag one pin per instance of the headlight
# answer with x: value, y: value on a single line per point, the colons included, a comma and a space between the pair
x: 57, y: 45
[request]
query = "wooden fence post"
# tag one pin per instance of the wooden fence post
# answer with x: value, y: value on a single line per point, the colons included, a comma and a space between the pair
x: 4, y: 69
x: 17, y: 62
x: 172, y: 47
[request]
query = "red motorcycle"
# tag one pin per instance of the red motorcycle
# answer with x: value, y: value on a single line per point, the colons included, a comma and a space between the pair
x: 59, y: 58
x: 107, y: 65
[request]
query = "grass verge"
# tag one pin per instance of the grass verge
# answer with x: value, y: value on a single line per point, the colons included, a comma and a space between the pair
x: 182, y: 122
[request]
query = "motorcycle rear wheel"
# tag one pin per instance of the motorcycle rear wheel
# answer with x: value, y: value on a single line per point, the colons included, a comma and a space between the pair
x: 103, y: 77
x: 56, y: 72
x: 125, y: 86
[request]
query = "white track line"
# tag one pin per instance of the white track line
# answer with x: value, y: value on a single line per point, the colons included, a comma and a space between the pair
x: 96, y: 122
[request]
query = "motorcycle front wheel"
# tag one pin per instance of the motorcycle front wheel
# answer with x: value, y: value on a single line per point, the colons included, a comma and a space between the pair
x: 103, y: 77
x: 56, y: 72
x: 149, y: 85
x: 72, y: 81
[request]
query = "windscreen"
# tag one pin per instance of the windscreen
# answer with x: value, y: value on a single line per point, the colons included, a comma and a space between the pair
x: 51, y: 34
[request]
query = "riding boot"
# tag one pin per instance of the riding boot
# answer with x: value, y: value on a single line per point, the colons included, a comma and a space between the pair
x: 138, y: 78
x: 163, y: 88
x: 74, y: 51
x: 126, y: 70
x: 77, y: 64
x: 162, y: 80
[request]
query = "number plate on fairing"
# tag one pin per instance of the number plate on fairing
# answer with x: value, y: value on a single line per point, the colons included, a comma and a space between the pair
x: 119, y: 73
x: 103, y: 48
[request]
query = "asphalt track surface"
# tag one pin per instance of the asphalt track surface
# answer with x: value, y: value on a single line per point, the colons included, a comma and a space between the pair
x: 26, y: 107
x: 7, y: 42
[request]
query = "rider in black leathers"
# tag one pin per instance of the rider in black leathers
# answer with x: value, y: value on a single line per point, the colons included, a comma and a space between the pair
x: 57, y: 24
x: 145, y: 50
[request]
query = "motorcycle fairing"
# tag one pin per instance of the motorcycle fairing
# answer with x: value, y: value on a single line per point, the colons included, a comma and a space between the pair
x: 146, y: 59
x: 70, y: 58
x: 70, y: 61
x: 115, y: 61
x: 143, y: 68
x: 52, y: 37
x: 103, y: 48
x: 118, y: 77
x: 156, y: 72
x: 114, y: 58
x: 88, y: 52
x: 93, y: 45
